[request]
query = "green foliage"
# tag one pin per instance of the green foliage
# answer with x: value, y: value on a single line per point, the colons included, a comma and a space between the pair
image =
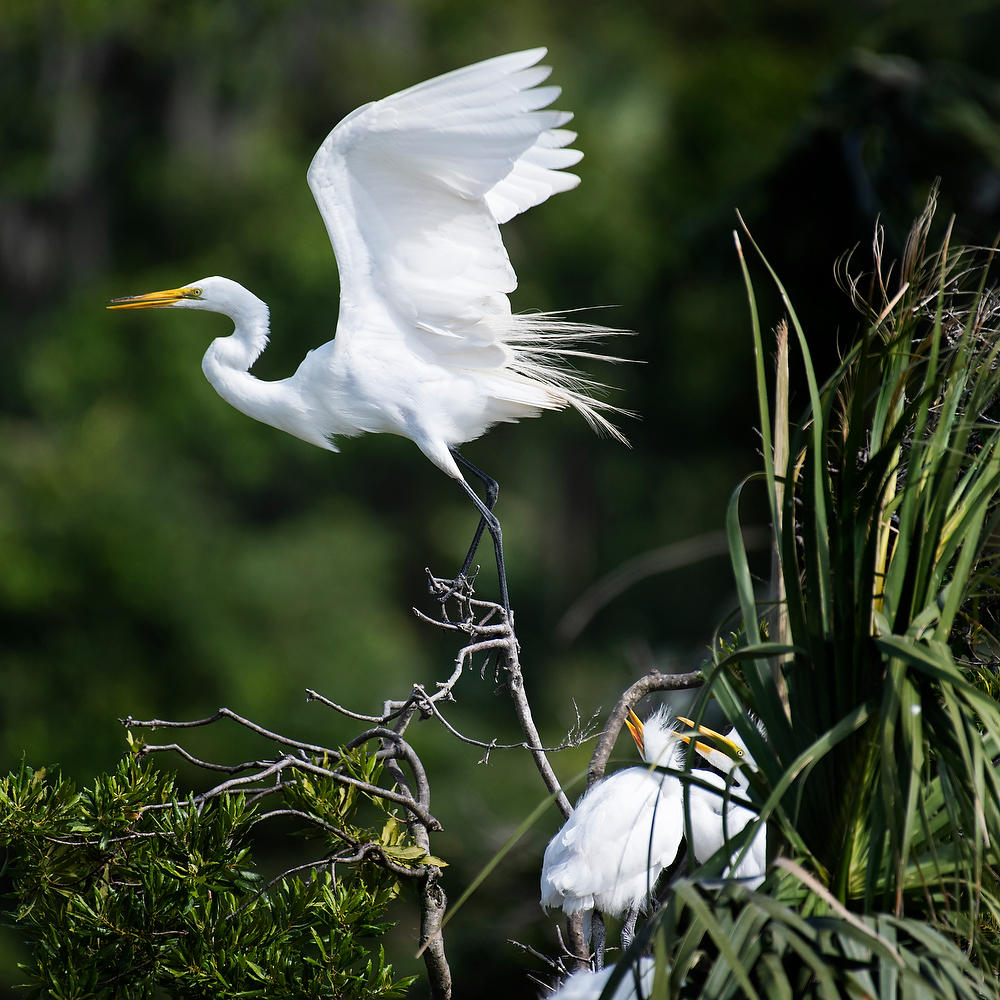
x: 163, y: 555
x: 124, y: 889
x: 761, y: 946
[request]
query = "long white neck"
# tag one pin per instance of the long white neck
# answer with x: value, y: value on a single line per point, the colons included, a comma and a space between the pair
x: 226, y: 365
x: 227, y: 361
x: 237, y: 352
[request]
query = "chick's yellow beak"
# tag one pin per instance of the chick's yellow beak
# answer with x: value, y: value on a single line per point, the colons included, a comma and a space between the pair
x: 151, y: 300
x: 722, y: 743
x: 634, y: 724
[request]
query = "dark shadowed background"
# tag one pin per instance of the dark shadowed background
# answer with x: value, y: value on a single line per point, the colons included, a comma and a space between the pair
x: 161, y: 554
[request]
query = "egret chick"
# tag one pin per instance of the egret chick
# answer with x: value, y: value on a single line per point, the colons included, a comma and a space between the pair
x: 715, y: 817
x: 624, y: 831
x: 413, y: 189
x: 636, y: 984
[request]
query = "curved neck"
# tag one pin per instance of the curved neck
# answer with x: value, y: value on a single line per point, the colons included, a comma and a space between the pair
x: 227, y: 362
x: 238, y: 351
x: 280, y: 404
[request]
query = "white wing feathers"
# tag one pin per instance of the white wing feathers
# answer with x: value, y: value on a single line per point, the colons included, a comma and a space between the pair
x: 413, y: 188
x: 536, y: 175
x: 478, y: 131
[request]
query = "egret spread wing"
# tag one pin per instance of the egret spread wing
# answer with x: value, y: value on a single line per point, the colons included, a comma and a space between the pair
x: 413, y: 188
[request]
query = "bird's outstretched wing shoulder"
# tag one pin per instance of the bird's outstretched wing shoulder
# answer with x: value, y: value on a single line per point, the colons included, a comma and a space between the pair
x: 413, y: 187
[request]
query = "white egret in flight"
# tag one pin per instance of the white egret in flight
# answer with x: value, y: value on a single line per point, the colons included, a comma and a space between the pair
x: 413, y: 189
x: 624, y: 831
x: 715, y: 817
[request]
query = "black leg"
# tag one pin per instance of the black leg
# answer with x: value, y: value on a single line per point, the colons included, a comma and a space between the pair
x: 628, y: 928
x: 487, y: 521
x: 492, y: 492
x: 493, y: 526
x: 598, y: 936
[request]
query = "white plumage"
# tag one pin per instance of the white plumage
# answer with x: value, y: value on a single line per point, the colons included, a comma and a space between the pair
x: 716, y: 818
x: 587, y: 985
x: 413, y: 189
x: 624, y: 831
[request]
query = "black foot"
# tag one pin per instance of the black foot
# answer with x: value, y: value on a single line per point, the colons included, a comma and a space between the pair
x: 462, y: 587
x: 489, y: 627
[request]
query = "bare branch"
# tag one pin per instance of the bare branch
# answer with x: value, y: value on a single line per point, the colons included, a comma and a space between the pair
x: 400, y: 750
x: 433, y: 904
x: 653, y: 681
x: 312, y: 695
x: 497, y: 638
x: 225, y: 713
x: 207, y: 765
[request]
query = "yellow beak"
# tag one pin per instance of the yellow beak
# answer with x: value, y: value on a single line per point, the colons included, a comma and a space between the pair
x: 634, y: 724
x: 727, y: 746
x: 153, y: 299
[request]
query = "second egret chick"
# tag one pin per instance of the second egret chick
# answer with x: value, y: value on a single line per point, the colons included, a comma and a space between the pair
x: 636, y: 984
x: 715, y: 817
x: 625, y: 830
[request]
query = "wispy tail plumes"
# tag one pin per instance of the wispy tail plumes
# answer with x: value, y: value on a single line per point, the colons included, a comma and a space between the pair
x: 545, y: 347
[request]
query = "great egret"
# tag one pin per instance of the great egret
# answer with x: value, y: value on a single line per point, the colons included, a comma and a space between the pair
x: 715, y: 817
x: 624, y: 831
x: 413, y: 189
x: 636, y: 984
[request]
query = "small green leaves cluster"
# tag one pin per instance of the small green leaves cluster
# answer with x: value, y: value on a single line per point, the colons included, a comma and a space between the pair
x: 129, y: 888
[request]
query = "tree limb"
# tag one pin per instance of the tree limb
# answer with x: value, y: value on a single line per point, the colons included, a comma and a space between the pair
x: 653, y: 681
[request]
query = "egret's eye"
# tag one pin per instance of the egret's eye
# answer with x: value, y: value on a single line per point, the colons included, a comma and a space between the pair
x: 195, y: 293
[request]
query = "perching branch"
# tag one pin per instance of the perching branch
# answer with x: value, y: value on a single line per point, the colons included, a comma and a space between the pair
x: 487, y: 636
x: 653, y: 681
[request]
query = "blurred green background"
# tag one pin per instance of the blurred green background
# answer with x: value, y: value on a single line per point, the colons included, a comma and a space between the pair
x: 161, y: 554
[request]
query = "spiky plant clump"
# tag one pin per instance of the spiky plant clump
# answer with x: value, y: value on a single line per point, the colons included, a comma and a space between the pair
x: 876, y: 683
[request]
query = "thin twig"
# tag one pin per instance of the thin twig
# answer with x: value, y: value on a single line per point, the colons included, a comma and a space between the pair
x: 207, y: 765
x: 312, y: 695
x: 225, y: 713
x: 497, y: 638
x: 571, y: 742
x: 309, y: 818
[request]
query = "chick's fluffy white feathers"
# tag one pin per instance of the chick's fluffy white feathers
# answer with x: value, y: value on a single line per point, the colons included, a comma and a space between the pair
x: 717, y: 819
x: 624, y: 831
